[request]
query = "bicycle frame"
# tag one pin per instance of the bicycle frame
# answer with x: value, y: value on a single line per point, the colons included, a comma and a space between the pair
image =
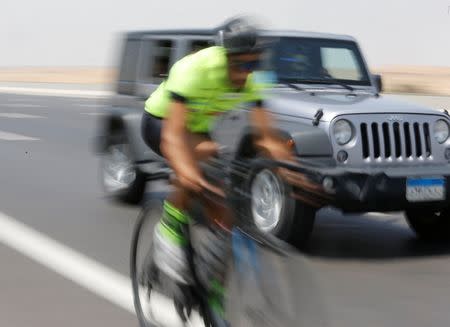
x: 245, y: 239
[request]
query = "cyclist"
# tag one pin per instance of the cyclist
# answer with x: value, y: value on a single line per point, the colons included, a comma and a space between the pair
x: 177, y: 119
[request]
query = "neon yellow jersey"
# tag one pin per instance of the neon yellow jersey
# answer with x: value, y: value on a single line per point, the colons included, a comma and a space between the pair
x: 202, y: 79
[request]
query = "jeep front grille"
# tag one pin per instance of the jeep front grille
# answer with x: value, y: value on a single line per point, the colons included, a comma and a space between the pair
x: 395, y: 140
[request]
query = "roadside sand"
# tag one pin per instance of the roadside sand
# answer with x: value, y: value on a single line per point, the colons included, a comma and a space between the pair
x: 396, y: 79
x: 69, y: 75
x: 416, y: 79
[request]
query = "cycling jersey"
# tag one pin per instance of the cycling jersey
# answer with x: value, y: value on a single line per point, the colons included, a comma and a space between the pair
x: 201, y: 80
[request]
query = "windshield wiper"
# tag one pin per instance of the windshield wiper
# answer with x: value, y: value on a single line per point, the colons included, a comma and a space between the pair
x: 293, y: 86
x: 348, y: 87
x: 326, y: 81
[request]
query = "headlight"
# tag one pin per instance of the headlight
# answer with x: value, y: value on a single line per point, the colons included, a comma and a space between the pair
x: 343, y: 131
x: 441, y: 131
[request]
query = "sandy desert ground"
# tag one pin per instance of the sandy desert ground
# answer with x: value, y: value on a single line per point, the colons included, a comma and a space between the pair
x: 69, y: 75
x: 416, y: 79
x: 396, y: 79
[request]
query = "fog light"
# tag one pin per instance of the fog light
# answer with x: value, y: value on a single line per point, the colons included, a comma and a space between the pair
x: 342, y: 156
x: 328, y: 184
x: 447, y: 153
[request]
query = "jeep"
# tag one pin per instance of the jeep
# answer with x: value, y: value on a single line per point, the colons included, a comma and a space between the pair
x: 369, y: 152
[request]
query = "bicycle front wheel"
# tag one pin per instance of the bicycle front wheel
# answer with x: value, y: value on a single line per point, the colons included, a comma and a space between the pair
x: 266, y: 288
x: 152, y: 307
x: 145, y: 298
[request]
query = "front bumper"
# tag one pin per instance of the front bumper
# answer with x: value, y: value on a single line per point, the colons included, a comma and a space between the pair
x: 379, y: 189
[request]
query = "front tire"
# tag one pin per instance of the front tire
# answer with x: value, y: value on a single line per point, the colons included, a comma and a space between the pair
x: 121, y: 178
x: 430, y: 224
x: 274, y: 211
x: 140, y: 261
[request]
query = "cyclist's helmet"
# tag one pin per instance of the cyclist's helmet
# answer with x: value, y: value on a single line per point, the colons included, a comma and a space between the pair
x: 238, y: 35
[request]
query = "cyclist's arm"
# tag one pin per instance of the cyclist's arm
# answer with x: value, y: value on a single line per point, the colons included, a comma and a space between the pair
x: 175, y: 147
x: 267, y: 138
x: 262, y: 121
x: 185, y: 78
x: 185, y: 150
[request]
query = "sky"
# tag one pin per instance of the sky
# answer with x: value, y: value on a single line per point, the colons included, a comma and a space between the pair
x: 86, y: 32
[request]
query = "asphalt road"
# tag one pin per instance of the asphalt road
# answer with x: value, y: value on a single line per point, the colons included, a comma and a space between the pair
x: 368, y: 270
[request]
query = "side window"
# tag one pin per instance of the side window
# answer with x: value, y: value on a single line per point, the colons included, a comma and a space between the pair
x: 129, y: 61
x: 161, y: 54
x: 340, y: 63
x: 197, y: 45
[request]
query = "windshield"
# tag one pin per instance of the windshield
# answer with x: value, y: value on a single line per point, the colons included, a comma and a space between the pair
x: 309, y: 60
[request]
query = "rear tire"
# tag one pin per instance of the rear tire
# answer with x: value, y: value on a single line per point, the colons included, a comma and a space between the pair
x: 120, y: 177
x: 430, y: 224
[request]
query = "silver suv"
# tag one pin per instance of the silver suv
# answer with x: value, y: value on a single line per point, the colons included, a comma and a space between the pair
x: 369, y: 152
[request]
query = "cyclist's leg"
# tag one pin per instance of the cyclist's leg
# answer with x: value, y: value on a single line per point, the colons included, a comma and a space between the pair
x: 171, y: 230
x: 177, y: 203
x: 216, y: 244
x: 212, y: 258
x: 171, y: 239
x: 203, y: 148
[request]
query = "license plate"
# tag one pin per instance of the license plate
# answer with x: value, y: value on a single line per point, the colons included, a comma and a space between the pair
x: 425, y: 189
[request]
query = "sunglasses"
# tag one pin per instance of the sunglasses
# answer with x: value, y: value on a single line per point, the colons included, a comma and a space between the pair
x: 246, y: 65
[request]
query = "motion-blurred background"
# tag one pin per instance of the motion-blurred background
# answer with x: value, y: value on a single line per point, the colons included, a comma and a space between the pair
x: 64, y: 248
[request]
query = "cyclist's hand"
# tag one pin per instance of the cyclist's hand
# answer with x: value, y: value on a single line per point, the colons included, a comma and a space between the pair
x: 276, y: 149
x: 188, y: 182
x: 192, y: 179
x: 207, y: 186
x: 189, y: 178
x: 309, y: 191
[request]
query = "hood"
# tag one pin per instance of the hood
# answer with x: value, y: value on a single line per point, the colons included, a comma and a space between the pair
x: 304, y: 105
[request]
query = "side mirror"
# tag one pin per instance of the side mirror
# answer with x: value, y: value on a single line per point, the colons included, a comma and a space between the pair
x: 378, y: 82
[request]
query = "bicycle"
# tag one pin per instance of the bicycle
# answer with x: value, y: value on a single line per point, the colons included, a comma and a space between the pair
x: 258, y: 264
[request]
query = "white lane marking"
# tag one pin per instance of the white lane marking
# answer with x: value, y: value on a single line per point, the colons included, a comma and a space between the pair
x: 6, y: 136
x: 55, y: 92
x: 17, y: 115
x: 66, y: 262
x: 21, y: 105
x: 82, y: 270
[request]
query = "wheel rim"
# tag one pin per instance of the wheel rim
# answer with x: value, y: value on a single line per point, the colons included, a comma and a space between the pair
x: 118, y: 169
x: 142, y: 299
x: 140, y: 259
x: 267, y: 200
x: 148, y: 304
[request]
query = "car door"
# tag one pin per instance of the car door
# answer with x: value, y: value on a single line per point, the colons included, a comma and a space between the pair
x: 126, y: 82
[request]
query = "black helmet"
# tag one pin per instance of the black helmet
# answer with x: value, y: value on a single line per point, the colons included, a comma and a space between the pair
x: 238, y: 35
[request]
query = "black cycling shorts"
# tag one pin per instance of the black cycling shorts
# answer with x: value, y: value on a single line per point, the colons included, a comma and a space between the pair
x: 151, y: 131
